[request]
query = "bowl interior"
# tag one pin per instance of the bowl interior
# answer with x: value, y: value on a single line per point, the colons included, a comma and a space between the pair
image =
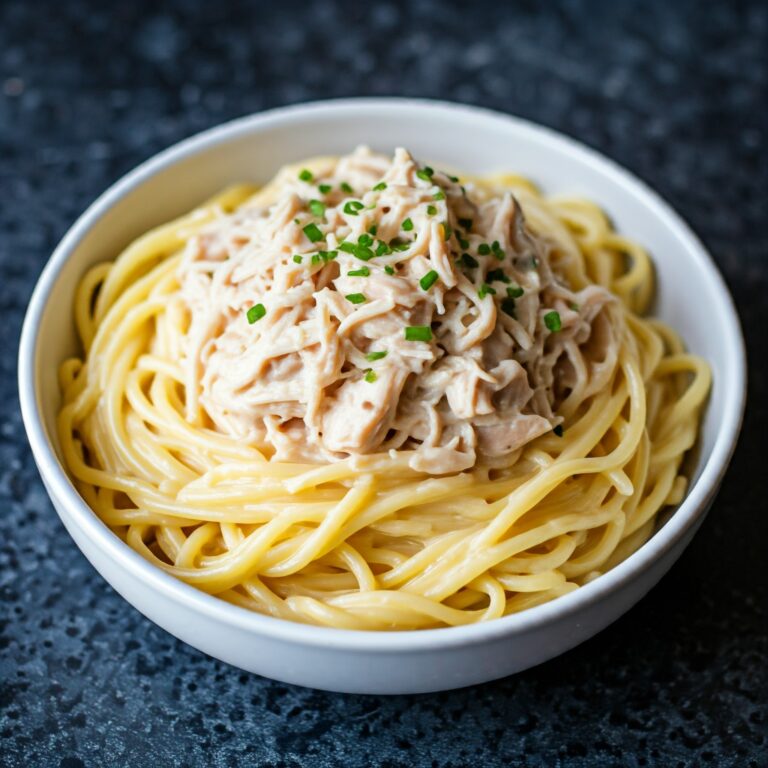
x: 691, y: 296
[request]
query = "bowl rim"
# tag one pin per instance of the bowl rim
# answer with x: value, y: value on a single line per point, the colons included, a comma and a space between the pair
x: 685, y: 517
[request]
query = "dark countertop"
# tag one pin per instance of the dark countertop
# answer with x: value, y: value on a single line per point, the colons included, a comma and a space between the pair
x: 677, y: 92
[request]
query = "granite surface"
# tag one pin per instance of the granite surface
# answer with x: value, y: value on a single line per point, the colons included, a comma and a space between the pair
x: 677, y: 92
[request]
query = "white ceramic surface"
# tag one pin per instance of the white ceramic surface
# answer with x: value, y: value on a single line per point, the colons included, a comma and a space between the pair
x: 691, y: 296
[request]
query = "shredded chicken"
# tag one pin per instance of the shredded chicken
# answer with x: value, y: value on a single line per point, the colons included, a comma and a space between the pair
x: 390, y: 309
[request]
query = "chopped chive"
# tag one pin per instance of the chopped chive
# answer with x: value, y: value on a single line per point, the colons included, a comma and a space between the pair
x: 418, y: 333
x: 256, y: 312
x: 313, y: 232
x: 428, y: 280
x: 347, y: 247
x: 297, y: 259
x: 574, y: 306
x: 352, y: 207
x: 356, y: 298
x: 399, y: 247
x: 346, y: 188
x: 498, y: 252
x: 365, y: 240
x: 558, y: 430
x: 373, y: 229
x: 508, y: 306
x: 497, y: 275
x: 296, y: 222
x: 390, y: 270
x: 323, y: 256
x: 514, y: 291
x: 465, y: 224
x: 454, y: 179
x: 552, y: 321
x: 463, y: 243
x: 469, y: 261
x: 324, y: 189
x: 362, y: 272
x: 483, y: 249
x: 372, y: 356
x: 317, y: 208
x: 306, y: 175
x: 382, y: 248
x: 439, y: 195
x: 370, y: 376
x: 425, y: 173
x: 485, y: 289
x: 380, y: 187
x: 431, y: 210
x: 363, y: 252
x: 447, y: 231
x: 407, y: 225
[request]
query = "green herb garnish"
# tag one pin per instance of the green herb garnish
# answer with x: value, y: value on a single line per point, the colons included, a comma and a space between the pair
x: 305, y: 175
x: 365, y: 240
x: 380, y: 187
x: 317, y: 208
x: 356, y: 298
x: 407, y: 225
x: 418, y: 333
x: 373, y: 229
x: 389, y: 269
x: 312, y: 231
x: 425, y: 173
x: 256, y: 312
x: 498, y: 251
x: 297, y: 259
x: 346, y: 188
x: 552, y: 321
x: 439, y: 195
x: 372, y: 356
x: 362, y: 272
x: 324, y: 189
x: 447, y: 231
x: 428, y: 280
x: 483, y: 249
x: 485, y: 289
x: 431, y: 210
x: 515, y: 291
x: 370, y: 376
x: 352, y: 207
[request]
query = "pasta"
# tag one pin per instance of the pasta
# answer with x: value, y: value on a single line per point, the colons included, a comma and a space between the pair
x: 260, y: 423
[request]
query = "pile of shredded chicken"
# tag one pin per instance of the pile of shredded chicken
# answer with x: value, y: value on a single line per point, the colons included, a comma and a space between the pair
x: 365, y: 304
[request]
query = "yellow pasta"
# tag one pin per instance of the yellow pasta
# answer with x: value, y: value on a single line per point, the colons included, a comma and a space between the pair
x: 374, y: 544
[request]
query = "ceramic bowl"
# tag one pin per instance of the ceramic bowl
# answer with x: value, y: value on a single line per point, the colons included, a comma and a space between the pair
x: 691, y: 297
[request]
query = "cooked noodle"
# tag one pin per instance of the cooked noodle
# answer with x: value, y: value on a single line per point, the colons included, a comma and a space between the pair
x: 236, y: 455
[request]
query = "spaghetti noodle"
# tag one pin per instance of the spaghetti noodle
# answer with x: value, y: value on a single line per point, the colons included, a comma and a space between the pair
x: 371, y: 397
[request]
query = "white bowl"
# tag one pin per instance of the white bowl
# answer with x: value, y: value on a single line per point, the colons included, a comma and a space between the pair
x: 692, y: 297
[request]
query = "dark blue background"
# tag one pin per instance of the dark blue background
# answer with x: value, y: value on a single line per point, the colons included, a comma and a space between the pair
x: 675, y: 91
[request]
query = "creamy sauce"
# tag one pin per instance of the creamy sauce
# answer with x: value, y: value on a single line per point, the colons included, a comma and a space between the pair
x: 390, y: 309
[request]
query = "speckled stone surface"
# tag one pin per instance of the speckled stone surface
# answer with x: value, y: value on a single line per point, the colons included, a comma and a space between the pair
x: 677, y: 92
